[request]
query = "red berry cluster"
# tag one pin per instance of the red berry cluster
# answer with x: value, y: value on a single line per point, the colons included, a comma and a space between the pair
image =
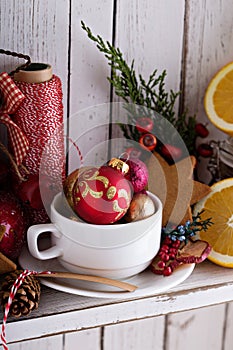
x: 204, y: 149
x: 170, y: 152
x: 165, y: 262
x: 201, y: 130
x: 149, y: 142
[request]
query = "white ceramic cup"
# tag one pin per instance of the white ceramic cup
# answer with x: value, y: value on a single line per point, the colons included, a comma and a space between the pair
x: 114, y: 251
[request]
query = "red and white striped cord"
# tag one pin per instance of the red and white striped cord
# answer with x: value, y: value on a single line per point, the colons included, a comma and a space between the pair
x: 13, y: 291
x: 77, y: 149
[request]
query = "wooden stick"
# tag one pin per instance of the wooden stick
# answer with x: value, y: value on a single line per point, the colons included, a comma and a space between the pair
x: 111, y: 282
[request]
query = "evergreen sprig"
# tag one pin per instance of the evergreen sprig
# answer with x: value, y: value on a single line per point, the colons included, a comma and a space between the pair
x: 189, y: 229
x: 150, y: 94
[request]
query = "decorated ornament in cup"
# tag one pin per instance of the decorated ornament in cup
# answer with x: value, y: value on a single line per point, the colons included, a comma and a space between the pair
x: 141, y: 207
x: 100, y: 195
x: 137, y: 174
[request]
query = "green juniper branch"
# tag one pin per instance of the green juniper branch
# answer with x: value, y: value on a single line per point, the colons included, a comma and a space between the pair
x: 150, y: 94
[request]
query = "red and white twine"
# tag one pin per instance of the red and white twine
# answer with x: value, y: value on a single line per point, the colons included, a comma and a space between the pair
x: 78, y: 150
x: 40, y: 116
x: 13, y: 291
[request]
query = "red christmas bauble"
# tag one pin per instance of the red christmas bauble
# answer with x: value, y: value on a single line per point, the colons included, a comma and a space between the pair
x: 101, y: 195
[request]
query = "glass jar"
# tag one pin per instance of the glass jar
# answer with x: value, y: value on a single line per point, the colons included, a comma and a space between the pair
x: 226, y: 158
x: 221, y: 162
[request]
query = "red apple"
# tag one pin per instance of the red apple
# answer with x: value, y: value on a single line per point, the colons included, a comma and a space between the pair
x: 29, y: 192
x: 13, y: 226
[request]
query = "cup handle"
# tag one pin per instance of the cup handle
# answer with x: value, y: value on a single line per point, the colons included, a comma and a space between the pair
x: 32, y: 238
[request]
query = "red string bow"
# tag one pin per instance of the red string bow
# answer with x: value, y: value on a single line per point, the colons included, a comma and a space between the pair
x: 11, y: 98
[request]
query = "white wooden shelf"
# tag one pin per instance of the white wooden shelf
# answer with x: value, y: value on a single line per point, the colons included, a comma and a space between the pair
x: 60, y: 312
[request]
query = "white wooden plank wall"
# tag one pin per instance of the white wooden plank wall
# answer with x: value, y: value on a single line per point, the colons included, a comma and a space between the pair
x: 88, y: 88
x: 142, y: 34
x: 191, y: 40
x: 208, y: 46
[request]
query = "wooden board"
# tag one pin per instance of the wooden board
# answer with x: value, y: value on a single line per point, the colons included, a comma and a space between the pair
x: 208, y: 285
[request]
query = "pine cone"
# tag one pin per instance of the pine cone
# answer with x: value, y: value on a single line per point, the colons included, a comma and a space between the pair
x: 27, y: 296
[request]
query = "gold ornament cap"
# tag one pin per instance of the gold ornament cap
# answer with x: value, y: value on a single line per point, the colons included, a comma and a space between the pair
x: 119, y: 164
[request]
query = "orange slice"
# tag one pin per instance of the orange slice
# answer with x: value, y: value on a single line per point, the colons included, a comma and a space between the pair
x: 218, y: 205
x: 218, y: 100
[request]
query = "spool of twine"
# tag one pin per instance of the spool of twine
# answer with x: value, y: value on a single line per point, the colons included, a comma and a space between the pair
x: 40, y: 116
x: 34, y: 73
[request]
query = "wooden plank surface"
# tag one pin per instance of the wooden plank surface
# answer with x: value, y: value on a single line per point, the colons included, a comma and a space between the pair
x: 227, y: 327
x: 60, y: 312
x: 89, y: 340
x: 196, y: 329
x: 136, y: 335
x: 50, y: 343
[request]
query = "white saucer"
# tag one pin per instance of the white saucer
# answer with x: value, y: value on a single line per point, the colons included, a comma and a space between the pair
x: 147, y: 282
